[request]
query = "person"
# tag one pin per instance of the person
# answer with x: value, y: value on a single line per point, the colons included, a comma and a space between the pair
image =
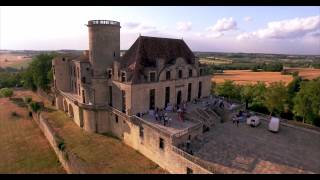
x: 188, y: 143
x: 238, y: 122
x: 180, y: 114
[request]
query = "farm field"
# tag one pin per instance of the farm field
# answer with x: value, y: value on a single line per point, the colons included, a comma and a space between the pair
x: 248, y: 77
x: 24, y: 149
x: 14, y: 60
x: 306, y: 73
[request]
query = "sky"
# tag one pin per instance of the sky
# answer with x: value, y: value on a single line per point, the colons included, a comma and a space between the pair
x: 269, y: 29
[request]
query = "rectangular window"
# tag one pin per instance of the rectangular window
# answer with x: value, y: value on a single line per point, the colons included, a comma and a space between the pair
x: 123, y: 77
x: 152, y: 95
x: 152, y: 76
x: 123, y: 101
x: 117, y: 119
x: 161, y: 143
x: 189, y: 91
x: 167, y: 96
x: 190, y: 72
x: 110, y: 96
x: 168, y: 75
x: 180, y: 74
x: 199, y: 89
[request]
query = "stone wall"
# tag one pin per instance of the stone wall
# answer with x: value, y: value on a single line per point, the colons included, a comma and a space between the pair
x: 70, y: 162
x: 128, y: 129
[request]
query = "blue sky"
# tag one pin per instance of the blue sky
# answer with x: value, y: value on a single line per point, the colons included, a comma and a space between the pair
x: 293, y: 30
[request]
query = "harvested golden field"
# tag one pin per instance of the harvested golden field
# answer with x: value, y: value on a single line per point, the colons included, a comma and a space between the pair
x: 23, y: 147
x: 14, y: 60
x: 306, y: 73
x: 249, y: 77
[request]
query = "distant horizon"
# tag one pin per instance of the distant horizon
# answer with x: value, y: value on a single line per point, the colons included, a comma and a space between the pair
x: 242, y: 29
x: 191, y: 50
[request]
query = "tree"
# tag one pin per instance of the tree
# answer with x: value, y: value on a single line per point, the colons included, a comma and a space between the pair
x: 6, y: 92
x: 307, y: 102
x: 228, y: 89
x: 246, y: 94
x: 293, y: 88
x: 276, y: 97
x: 38, y: 74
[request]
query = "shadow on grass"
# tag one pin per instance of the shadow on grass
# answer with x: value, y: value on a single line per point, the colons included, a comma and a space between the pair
x: 47, y: 109
x: 18, y: 101
x: 109, y: 134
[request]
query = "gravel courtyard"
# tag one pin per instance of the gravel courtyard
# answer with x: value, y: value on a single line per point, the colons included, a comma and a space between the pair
x: 245, y: 149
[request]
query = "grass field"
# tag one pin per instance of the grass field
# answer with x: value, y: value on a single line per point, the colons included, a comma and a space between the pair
x: 23, y: 147
x: 103, y: 153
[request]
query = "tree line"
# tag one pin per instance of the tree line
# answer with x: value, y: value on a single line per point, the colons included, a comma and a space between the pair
x: 300, y: 100
x: 37, y: 75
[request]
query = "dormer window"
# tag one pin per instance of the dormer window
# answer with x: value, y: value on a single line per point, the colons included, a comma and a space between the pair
x: 180, y: 74
x: 123, y: 76
x: 168, y: 75
x: 152, y: 76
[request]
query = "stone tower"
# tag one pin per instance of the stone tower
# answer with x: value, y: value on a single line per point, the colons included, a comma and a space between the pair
x: 104, y: 45
x: 104, y: 48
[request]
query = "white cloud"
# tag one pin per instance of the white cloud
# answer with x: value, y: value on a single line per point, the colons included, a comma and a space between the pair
x: 224, y: 24
x: 215, y: 35
x: 243, y: 36
x: 248, y: 18
x: 131, y: 25
x: 291, y: 28
x: 184, y: 26
x: 286, y: 29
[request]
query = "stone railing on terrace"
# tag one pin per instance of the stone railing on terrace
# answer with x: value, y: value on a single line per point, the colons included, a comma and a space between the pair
x: 202, y: 163
x: 151, y: 125
x: 188, y: 130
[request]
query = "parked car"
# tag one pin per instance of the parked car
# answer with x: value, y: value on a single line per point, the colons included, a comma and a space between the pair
x: 274, y: 124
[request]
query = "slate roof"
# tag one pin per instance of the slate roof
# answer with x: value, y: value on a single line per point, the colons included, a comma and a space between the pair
x: 146, y: 50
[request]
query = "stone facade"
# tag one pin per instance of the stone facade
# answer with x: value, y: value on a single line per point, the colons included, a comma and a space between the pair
x: 103, y: 92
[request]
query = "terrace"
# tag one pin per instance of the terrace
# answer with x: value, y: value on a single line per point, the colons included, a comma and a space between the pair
x: 245, y: 149
x: 196, y: 114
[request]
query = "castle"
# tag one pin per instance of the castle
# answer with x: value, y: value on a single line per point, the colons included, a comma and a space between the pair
x: 105, y: 92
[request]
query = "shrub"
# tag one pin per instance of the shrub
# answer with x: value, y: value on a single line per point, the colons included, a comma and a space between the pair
x: 27, y: 100
x: 14, y: 114
x: 60, y: 143
x: 6, y: 92
x: 35, y: 106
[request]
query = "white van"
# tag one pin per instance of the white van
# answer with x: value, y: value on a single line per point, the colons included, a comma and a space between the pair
x: 274, y: 124
x: 253, y: 121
